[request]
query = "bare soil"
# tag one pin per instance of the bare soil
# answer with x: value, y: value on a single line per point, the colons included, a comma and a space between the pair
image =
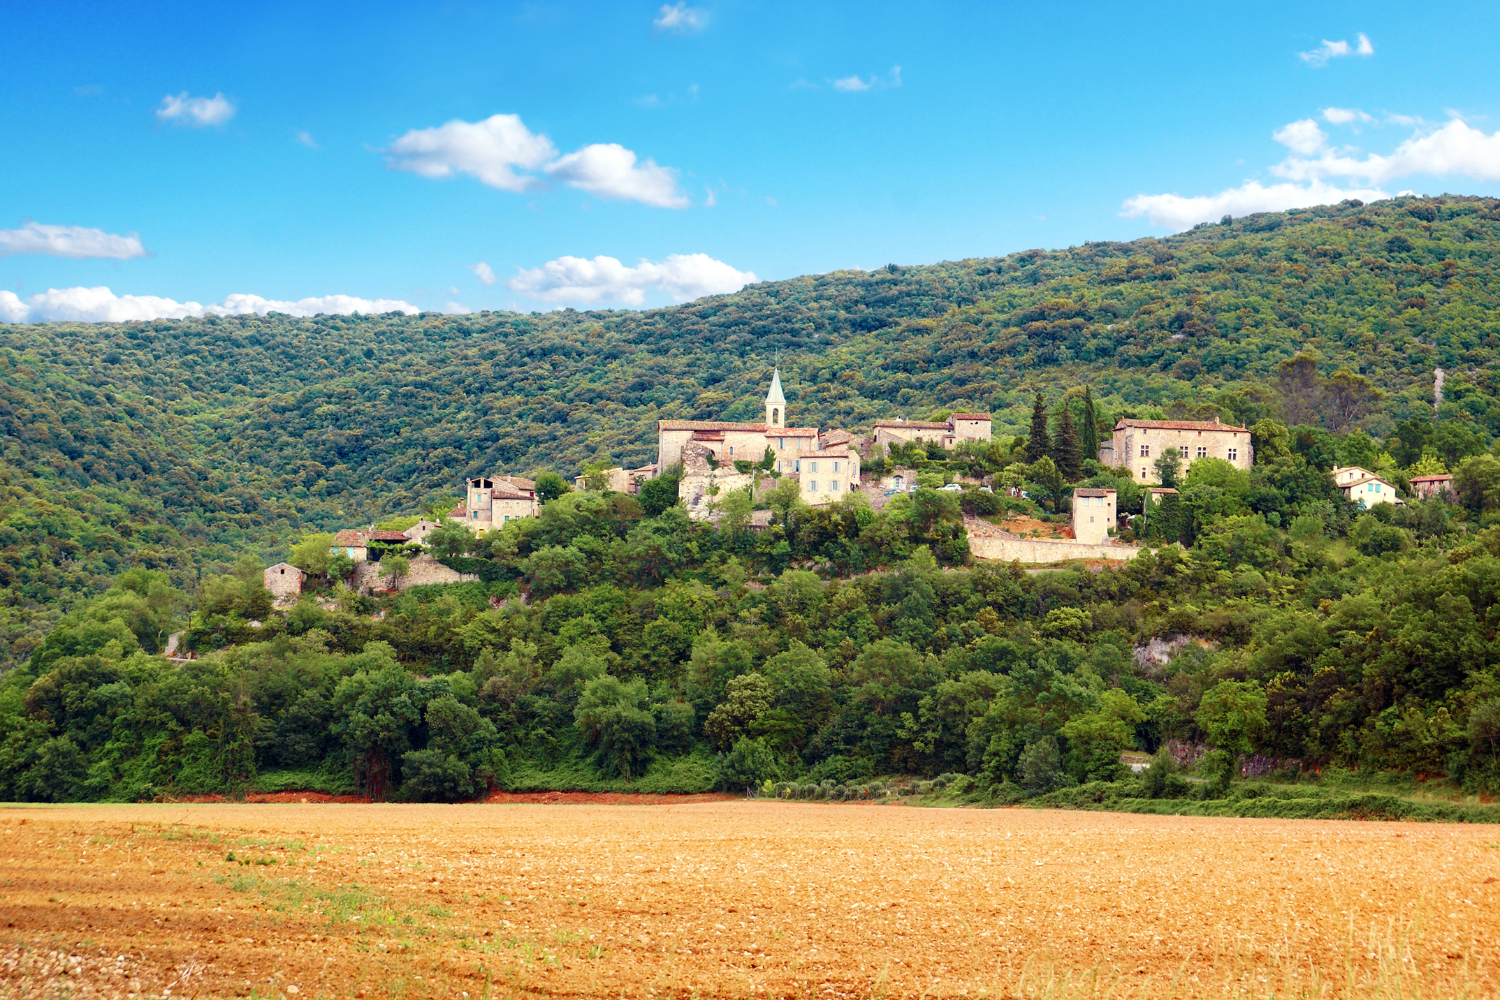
x: 734, y: 899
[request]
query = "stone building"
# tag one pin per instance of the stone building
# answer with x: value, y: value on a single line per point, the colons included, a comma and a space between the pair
x: 958, y: 428
x: 1093, y: 515
x: 355, y: 542
x: 620, y: 480
x: 284, y: 581
x: 1427, y: 487
x: 493, y: 501
x: 733, y: 441
x: 828, y: 475
x: 1137, y: 444
x: 1364, y: 487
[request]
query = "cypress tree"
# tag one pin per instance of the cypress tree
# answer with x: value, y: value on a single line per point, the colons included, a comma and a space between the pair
x: 1040, y: 442
x: 1065, y: 446
x: 1088, y: 439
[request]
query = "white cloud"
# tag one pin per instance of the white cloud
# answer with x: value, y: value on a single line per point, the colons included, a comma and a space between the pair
x: 100, y: 305
x: 609, y: 170
x: 1175, y: 212
x: 853, y: 84
x: 195, y: 111
x: 483, y: 273
x: 680, y: 19
x: 494, y: 149
x: 307, y: 140
x: 1338, y: 50
x: 1343, y: 116
x: 488, y: 150
x: 1454, y: 149
x: 710, y: 201
x: 69, y: 241
x: 606, y: 280
x: 1301, y: 137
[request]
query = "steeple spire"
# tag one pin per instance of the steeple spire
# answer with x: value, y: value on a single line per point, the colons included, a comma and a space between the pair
x: 775, y: 402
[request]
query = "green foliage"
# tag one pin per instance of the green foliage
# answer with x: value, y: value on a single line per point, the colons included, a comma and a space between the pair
x: 550, y: 486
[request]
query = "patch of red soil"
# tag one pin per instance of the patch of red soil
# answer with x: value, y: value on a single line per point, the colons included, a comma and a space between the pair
x: 608, y: 798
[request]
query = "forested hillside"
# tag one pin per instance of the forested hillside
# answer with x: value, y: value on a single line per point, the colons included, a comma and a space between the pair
x: 178, y: 445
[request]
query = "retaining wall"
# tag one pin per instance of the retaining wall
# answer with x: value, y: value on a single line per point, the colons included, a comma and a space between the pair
x: 1039, y: 550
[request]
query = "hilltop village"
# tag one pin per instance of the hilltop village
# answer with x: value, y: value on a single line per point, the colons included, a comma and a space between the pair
x: 713, y: 459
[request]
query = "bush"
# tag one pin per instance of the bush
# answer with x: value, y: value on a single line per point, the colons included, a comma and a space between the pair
x: 432, y: 776
x: 748, y: 765
x: 1040, y: 766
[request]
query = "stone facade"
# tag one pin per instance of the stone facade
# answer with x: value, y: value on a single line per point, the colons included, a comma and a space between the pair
x: 1428, y: 487
x: 1137, y: 444
x: 284, y: 581
x: 355, y: 542
x: 829, y: 475
x: 958, y: 428
x: 1093, y: 515
x: 732, y: 441
x: 1042, y: 550
x: 621, y: 480
x: 494, y: 501
x: 701, y: 483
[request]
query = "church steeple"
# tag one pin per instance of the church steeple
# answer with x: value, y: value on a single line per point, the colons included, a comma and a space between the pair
x: 775, y: 402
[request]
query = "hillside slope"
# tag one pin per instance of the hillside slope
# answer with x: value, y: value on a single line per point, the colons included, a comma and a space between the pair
x: 176, y: 444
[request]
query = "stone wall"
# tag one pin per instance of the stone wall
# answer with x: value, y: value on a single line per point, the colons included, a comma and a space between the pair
x: 1041, y: 550
x: 424, y: 571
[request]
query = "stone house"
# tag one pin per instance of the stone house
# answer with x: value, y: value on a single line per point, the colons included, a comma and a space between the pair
x: 1364, y: 487
x: 284, y: 581
x: 1137, y: 444
x: 828, y: 475
x: 355, y: 542
x: 493, y: 501
x: 621, y: 480
x: 1427, y: 487
x: 948, y: 433
x: 418, y: 532
x: 731, y: 441
x: 1157, y: 494
x: 1093, y: 515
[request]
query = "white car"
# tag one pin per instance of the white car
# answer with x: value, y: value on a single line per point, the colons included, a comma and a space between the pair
x: 951, y: 488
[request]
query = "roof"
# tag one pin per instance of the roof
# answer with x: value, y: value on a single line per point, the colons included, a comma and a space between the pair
x: 774, y: 395
x: 1351, y: 468
x: 1432, y: 479
x: 1096, y: 493
x: 501, y: 494
x: 970, y: 416
x: 1181, y: 425
x: 1362, y: 480
x: 825, y: 453
x: 1160, y: 489
x: 362, y: 537
x: 460, y: 511
x: 284, y: 565
x: 837, y: 437
x: 921, y: 425
x: 519, y: 482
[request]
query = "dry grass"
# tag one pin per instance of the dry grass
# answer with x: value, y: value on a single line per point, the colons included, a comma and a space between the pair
x: 736, y: 899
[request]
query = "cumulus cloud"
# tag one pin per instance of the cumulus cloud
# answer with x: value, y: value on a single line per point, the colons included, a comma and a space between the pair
x: 195, y: 111
x: 100, y: 305
x: 1338, y: 50
x: 1301, y: 137
x: 1344, y: 116
x: 1316, y: 174
x: 680, y: 19
x: 1176, y: 212
x: 483, y: 273
x: 307, y: 140
x: 489, y: 150
x: 494, y: 150
x: 609, y: 170
x: 69, y: 241
x: 853, y: 84
x: 605, y: 279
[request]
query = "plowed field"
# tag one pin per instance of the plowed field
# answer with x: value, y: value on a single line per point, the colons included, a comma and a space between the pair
x: 735, y: 899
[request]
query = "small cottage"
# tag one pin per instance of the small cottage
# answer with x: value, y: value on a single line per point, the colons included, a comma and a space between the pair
x: 284, y: 581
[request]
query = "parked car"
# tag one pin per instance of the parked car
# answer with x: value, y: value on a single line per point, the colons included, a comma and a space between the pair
x: 951, y: 488
x: 986, y: 489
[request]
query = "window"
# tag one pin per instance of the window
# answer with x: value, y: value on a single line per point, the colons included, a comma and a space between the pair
x: 813, y: 485
x: 1234, y: 454
x: 476, y: 515
x: 781, y: 444
x: 835, y: 466
x: 812, y: 466
x: 797, y: 466
x: 1143, y: 472
x: 1145, y: 451
x: 731, y: 451
x: 1202, y: 452
x: 1091, y: 519
x: 834, y: 486
x: 778, y: 465
x: 776, y: 417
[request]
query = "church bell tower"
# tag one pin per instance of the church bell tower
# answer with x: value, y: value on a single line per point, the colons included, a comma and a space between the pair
x: 775, y: 404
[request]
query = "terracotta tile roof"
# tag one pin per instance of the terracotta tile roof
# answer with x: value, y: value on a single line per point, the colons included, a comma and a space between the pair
x: 921, y: 425
x: 499, y: 493
x: 1362, y: 480
x: 706, y: 425
x: 1181, y: 425
x: 970, y: 416
x: 1431, y: 479
x: 1096, y: 493
x: 519, y: 482
x: 461, y: 510
x: 1160, y: 489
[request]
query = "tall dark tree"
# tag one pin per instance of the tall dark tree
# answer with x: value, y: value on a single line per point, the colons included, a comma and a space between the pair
x: 1088, y: 437
x: 1065, y: 445
x: 1040, y: 442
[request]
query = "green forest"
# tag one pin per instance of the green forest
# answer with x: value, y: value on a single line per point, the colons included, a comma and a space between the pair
x: 151, y: 470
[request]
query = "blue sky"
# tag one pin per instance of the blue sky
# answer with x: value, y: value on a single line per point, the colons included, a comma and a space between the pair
x: 281, y: 155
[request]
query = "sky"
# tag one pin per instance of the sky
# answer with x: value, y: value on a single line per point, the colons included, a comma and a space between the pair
x: 168, y: 160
